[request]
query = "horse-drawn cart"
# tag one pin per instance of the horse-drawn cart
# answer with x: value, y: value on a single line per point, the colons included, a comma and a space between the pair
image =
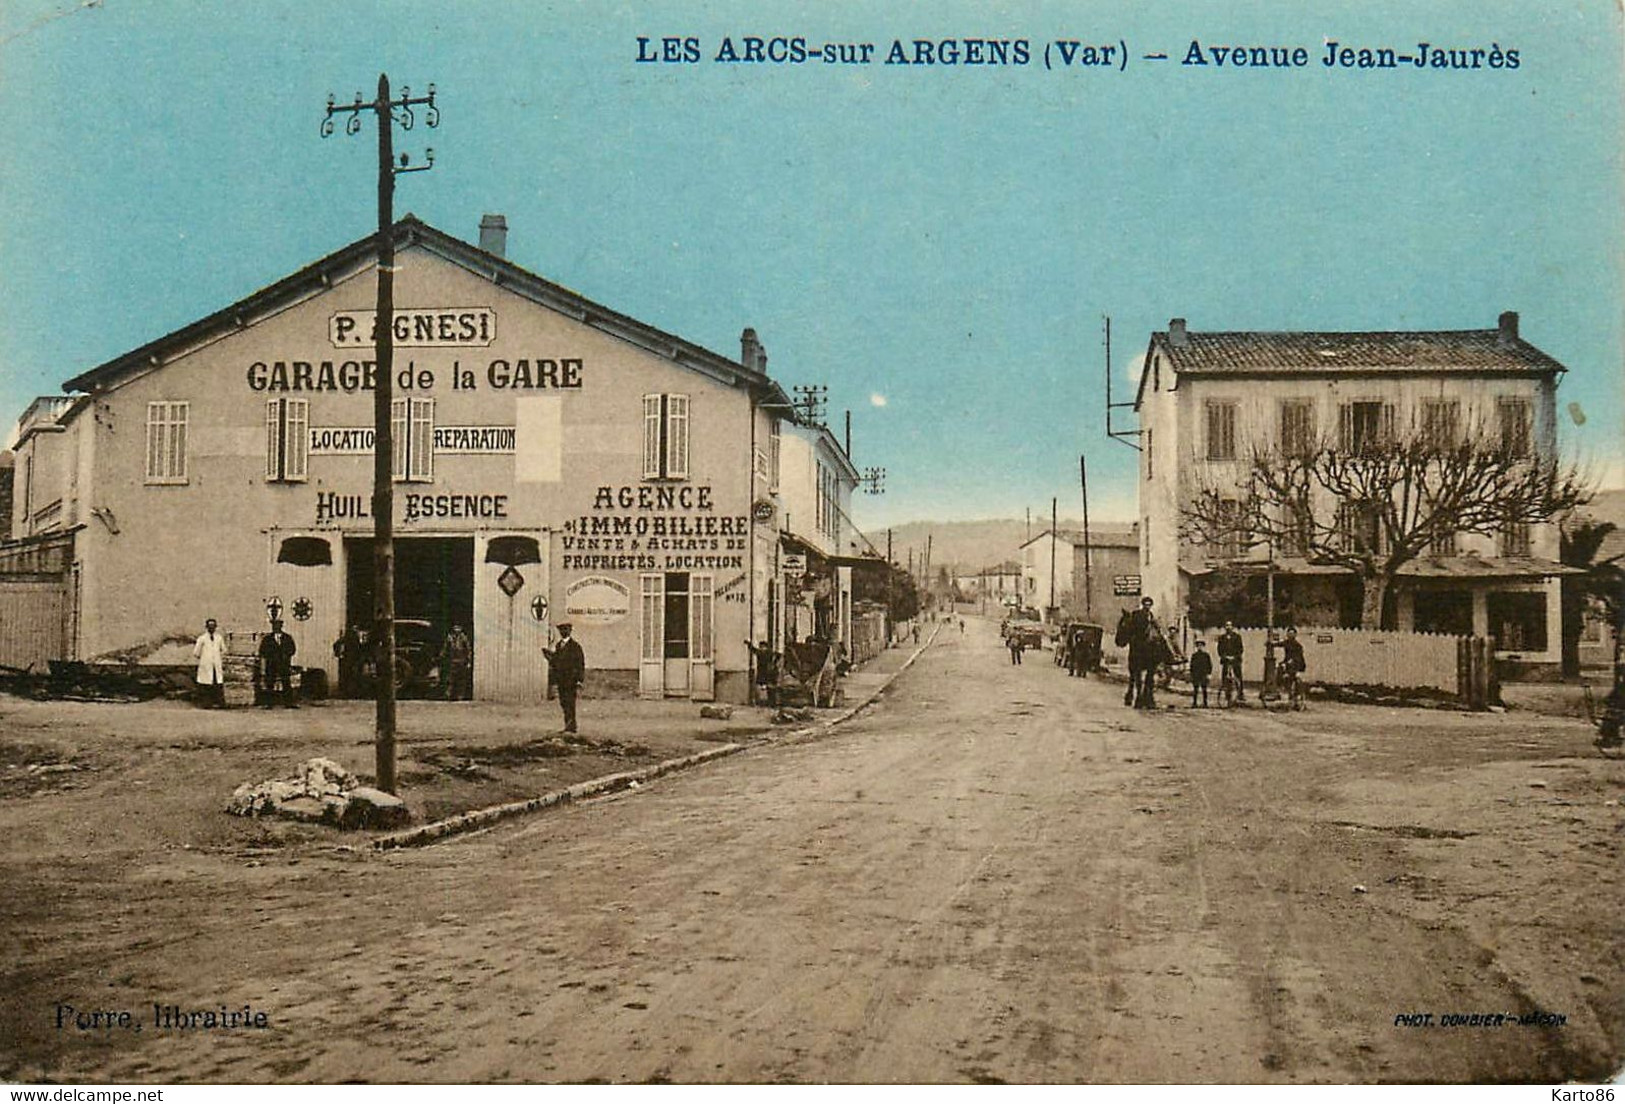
x: 809, y: 674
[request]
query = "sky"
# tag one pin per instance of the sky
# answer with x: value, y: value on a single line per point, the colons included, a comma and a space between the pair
x: 938, y: 244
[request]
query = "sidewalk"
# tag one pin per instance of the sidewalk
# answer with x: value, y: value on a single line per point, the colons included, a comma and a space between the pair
x: 133, y: 778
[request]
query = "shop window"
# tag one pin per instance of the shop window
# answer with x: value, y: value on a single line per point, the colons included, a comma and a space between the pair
x: 665, y: 436
x: 1518, y: 620
x: 287, y: 440
x: 166, y: 442
x: 412, y: 429
x: 1221, y: 431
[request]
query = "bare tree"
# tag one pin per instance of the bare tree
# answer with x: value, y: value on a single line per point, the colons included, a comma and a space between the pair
x: 1373, y: 505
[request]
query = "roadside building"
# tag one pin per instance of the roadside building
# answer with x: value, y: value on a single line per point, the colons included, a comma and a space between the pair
x: 994, y: 583
x: 553, y: 460
x: 1205, y: 398
x: 1064, y: 548
x: 811, y: 586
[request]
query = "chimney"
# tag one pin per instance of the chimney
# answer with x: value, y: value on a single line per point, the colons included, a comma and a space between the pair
x: 751, y: 353
x: 494, y: 235
x: 1176, y: 333
x: 1508, y: 329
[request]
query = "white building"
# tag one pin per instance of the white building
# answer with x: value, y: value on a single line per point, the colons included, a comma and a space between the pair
x: 554, y: 460
x: 1205, y: 398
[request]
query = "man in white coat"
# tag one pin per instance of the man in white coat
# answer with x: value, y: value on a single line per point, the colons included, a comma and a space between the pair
x: 210, y: 653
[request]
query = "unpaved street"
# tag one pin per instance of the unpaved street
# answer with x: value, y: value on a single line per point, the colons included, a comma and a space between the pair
x: 997, y: 873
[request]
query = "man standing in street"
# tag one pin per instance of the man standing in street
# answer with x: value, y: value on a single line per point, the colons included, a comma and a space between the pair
x: 1230, y: 649
x: 568, y: 666
x: 276, y: 666
x: 457, y: 665
x: 349, y: 650
x: 210, y: 653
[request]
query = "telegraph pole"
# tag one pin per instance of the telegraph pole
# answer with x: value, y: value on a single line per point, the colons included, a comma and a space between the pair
x: 1088, y: 579
x: 388, y: 112
x: 1053, y: 523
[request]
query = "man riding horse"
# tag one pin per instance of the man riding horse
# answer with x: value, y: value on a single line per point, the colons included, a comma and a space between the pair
x: 1139, y: 631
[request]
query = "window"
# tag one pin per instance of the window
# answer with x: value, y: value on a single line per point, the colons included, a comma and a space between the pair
x: 665, y: 436
x: 1365, y: 427
x: 1146, y: 531
x: 1515, y: 539
x: 411, y: 425
x: 1150, y: 457
x: 1298, y: 427
x: 287, y: 440
x: 1359, y: 528
x: 1221, y: 431
x: 166, y: 442
x: 1441, y: 424
x: 1514, y: 418
x: 1443, y: 545
x: 1233, y: 537
x: 774, y: 440
x: 1518, y: 620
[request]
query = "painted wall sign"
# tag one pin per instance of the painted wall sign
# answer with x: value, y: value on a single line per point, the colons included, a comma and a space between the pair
x: 511, y: 580
x: 421, y: 327
x: 332, y: 506
x: 357, y: 440
x: 649, y: 521
x: 597, y: 599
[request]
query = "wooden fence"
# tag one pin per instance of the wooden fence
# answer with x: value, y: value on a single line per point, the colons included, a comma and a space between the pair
x: 1357, y: 657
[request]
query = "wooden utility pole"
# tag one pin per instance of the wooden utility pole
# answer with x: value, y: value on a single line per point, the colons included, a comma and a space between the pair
x: 1088, y: 579
x: 383, y: 397
x: 1053, y: 522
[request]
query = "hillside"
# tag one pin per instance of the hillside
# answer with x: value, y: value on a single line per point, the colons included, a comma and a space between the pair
x: 971, y: 545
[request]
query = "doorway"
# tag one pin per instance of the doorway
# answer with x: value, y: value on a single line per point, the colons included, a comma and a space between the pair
x: 434, y: 590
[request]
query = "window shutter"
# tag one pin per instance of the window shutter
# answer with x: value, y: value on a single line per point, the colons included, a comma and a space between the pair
x: 296, y: 442
x: 677, y: 436
x: 273, y: 439
x: 651, y: 436
x: 1387, y: 423
x: 399, y: 427
x: 1345, y: 427
x: 420, y: 455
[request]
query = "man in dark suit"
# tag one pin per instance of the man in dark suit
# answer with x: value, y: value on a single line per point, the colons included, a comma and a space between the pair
x: 276, y: 666
x: 567, y: 670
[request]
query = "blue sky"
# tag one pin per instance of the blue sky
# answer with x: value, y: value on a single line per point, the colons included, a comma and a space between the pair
x: 946, y: 239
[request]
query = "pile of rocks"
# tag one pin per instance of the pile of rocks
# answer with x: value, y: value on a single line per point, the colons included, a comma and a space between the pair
x: 322, y: 792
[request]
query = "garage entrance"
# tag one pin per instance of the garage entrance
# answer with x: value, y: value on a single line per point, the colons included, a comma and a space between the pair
x: 434, y: 590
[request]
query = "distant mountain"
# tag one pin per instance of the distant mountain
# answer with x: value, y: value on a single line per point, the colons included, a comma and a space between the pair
x: 971, y: 545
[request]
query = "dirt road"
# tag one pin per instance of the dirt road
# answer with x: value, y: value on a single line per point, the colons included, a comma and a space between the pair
x: 998, y: 873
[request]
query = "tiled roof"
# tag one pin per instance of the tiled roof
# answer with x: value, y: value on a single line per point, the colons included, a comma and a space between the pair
x: 1104, y: 535
x: 1422, y: 350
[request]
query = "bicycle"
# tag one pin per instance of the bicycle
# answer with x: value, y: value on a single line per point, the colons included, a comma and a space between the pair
x: 1292, y: 686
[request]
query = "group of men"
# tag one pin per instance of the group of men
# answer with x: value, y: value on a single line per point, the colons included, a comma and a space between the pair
x: 354, y: 650
x: 276, y: 652
x: 1230, y: 649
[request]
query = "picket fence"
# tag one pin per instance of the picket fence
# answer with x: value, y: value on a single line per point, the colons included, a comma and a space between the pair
x: 1355, y: 657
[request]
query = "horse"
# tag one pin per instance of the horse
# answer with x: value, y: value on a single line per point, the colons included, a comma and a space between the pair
x: 1147, y: 650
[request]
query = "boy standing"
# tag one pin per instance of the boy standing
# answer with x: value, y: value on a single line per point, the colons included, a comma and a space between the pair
x: 1201, y: 670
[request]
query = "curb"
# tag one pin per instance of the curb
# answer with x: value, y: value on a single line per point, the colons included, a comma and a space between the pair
x: 476, y: 819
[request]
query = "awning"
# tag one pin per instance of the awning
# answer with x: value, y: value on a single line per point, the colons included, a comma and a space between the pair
x: 513, y: 551
x: 1464, y: 568
x: 305, y: 552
